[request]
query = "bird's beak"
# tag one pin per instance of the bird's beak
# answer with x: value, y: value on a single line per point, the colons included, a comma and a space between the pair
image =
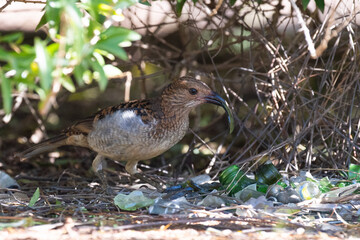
x: 214, y: 98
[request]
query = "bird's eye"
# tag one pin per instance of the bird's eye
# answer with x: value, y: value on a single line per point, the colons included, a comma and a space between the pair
x: 193, y: 91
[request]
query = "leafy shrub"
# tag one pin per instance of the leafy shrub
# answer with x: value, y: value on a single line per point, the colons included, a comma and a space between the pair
x: 80, y: 36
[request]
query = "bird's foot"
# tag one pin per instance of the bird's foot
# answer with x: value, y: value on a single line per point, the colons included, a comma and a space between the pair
x: 158, y: 185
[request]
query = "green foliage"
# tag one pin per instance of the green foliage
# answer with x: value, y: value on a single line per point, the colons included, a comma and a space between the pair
x: 305, y: 3
x: 79, y: 40
x: 179, y: 6
x: 319, y: 3
x: 5, y: 91
x: 45, y: 65
x: 145, y: 2
x: 354, y: 172
x: 34, y: 198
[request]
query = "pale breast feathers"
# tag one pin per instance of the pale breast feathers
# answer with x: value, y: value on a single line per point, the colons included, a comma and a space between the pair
x: 119, y: 130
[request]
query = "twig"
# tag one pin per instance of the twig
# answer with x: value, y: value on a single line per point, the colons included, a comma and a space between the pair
x: 213, y: 159
x: 330, y: 34
x: 8, y: 2
x: 205, y: 144
x: 127, y: 86
x: 305, y: 29
x: 215, y: 10
x: 30, y: 1
x: 173, y: 222
x: 36, y: 116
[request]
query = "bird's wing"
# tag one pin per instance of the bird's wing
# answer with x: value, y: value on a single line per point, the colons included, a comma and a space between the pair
x: 145, y: 109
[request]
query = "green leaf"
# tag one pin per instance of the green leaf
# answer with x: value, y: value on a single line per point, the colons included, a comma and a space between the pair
x: 179, y: 6
x: 6, y: 92
x: 112, y: 71
x: 101, y: 78
x: 45, y: 64
x: 53, y: 9
x: 67, y: 83
x: 4, y: 55
x: 320, y: 4
x: 34, y: 198
x: 113, y: 37
x: 305, y: 3
x: 232, y: 2
x: 145, y: 2
x: 42, y: 94
x: 21, y: 62
x: 99, y: 58
x: 75, y: 28
x: 78, y: 74
x: 111, y: 45
x: 354, y: 172
x: 120, y: 33
x: 12, y: 38
x: 92, y: 7
x: 42, y: 22
x: 52, y: 48
x: 325, y: 185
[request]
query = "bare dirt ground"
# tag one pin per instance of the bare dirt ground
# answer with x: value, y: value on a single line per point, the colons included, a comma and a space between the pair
x: 72, y: 205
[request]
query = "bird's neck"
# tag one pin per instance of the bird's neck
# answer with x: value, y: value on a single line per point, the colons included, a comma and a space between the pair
x: 172, y: 107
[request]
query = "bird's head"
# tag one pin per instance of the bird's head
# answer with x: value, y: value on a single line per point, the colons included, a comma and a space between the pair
x: 187, y: 92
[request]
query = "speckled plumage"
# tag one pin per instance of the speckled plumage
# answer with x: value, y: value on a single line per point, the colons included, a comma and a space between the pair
x: 136, y: 130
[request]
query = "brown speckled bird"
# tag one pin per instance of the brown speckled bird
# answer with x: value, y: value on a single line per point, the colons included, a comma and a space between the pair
x: 136, y: 130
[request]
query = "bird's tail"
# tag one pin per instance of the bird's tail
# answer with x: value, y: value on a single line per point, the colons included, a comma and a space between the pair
x: 45, y: 146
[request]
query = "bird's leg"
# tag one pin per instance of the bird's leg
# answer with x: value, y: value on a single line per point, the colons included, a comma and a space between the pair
x: 131, y: 168
x: 98, y: 166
